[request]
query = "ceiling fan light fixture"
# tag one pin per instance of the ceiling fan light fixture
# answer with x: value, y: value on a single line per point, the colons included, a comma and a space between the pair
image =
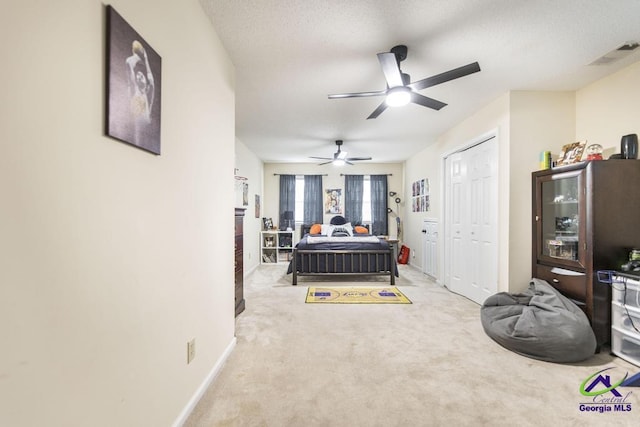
x: 340, y: 157
x: 398, y: 96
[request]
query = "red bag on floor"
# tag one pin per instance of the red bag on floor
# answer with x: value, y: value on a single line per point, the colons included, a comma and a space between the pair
x: 403, y: 256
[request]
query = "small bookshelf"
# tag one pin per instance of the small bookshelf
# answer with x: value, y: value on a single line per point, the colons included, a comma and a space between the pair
x: 276, y: 247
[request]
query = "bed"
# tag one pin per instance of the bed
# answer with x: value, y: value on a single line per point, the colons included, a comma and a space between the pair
x: 359, y: 254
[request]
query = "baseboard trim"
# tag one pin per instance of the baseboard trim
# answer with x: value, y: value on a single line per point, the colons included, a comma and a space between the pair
x: 417, y: 268
x: 182, y: 418
x: 250, y: 270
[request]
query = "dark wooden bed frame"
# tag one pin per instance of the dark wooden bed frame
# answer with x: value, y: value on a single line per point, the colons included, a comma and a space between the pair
x: 311, y: 258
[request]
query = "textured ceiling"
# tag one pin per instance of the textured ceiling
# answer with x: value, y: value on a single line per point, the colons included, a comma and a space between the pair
x: 290, y: 54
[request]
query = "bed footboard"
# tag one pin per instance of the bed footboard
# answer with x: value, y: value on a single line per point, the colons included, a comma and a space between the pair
x: 343, y: 263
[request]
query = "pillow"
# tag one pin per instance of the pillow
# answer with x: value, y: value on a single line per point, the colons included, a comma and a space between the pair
x: 339, y: 232
x: 326, y: 229
x: 315, y: 229
x: 342, y: 230
x: 338, y: 220
x: 360, y: 229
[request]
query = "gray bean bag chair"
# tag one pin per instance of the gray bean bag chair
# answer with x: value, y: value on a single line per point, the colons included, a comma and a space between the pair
x: 539, y: 323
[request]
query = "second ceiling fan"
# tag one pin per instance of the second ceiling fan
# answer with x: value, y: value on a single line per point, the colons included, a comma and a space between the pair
x: 340, y: 157
x: 400, y: 90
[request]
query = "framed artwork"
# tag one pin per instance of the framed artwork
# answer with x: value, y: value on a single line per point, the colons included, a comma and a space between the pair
x: 245, y: 193
x: 257, y: 206
x: 420, y: 196
x: 133, y: 86
x: 267, y: 223
x: 332, y: 201
x: 571, y: 153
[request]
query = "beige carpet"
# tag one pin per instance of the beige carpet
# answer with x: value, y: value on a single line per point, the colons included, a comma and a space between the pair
x: 423, y: 364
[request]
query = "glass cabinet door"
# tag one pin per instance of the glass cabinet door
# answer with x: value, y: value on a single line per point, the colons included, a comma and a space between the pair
x: 561, y: 215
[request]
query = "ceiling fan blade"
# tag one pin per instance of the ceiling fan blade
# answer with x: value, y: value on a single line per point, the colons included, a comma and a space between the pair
x: 446, y: 76
x: 348, y: 162
x: 391, y: 69
x: 320, y: 158
x: 325, y: 163
x: 425, y: 101
x: 378, y: 111
x: 357, y: 94
x: 355, y: 159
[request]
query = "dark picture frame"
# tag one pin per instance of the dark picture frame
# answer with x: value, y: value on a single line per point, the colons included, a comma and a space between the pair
x: 134, y: 76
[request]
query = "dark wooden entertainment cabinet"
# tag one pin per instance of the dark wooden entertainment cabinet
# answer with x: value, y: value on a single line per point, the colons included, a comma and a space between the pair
x: 586, y: 217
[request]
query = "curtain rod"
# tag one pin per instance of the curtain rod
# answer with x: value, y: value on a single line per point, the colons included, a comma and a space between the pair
x: 326, y: 174
x: 362, y: 174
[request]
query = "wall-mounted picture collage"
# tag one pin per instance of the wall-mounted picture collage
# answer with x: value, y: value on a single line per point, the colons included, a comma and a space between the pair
x: 420, y: 195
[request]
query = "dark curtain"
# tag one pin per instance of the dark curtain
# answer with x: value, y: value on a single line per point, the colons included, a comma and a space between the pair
x: 379, y: 205
x: 287, y: 198
x: 353, y: 198
x: 313, y: 209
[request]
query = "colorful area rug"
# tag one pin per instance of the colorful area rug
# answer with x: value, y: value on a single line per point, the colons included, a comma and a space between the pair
x: 356, y: 295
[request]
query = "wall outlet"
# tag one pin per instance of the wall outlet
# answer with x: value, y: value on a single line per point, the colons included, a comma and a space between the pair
x: 191, y: 350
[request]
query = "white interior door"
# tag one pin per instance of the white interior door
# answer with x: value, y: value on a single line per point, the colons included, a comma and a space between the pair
x: 483, y: 210
x: 472, y: 221
x: 430, y: 247
x: 456, y: 221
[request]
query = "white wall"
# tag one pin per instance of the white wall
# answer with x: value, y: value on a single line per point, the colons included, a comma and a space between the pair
x: 249, y: 166
x: 111, y: 258
x: 539, y: 121
x: 332, y: 180
x: 609, y: 108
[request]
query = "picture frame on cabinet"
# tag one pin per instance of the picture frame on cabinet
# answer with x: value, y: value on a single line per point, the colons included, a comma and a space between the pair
x: 571, y: 153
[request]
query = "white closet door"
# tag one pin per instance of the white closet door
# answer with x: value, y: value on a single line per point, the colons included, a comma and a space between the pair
x: 483, y: 212
x: 457, y: 213
x: 472, y: 207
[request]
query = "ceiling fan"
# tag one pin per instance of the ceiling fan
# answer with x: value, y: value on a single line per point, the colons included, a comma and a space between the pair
x: 340, y: 157
x: 400, y: 91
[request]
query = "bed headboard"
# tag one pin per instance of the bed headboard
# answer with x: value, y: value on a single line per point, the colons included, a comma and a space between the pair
x: 305, y: 228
